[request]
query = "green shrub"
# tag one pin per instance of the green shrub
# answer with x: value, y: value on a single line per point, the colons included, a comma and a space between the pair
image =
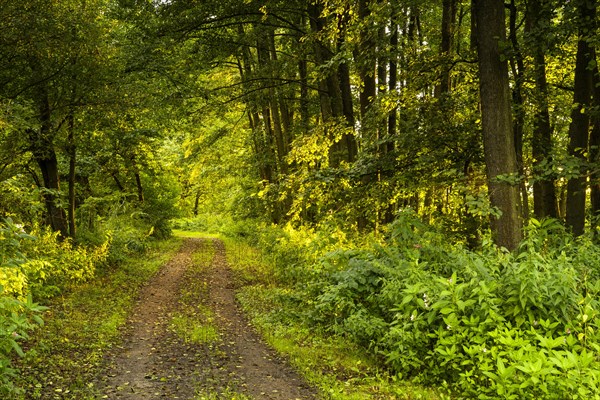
x: 18, y: 314
x: 54, y: 265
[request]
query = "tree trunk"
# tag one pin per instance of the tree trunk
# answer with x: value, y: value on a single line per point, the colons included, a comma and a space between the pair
x: 518, y: 70
x: 449, y: 8
x: 140, y: 188
x: 544, y: 193
x: 303, y: 76
x: 42, y: 147
x: 365, y: 59
x: 580, y: 121
x: 498, y: 139
x: 197, y: 203
x: 393, y: 78
x: 595, y: 158
x: 320, y: 54
x: 72, y: 150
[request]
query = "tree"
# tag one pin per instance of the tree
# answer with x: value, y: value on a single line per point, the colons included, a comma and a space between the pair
x: 544, y: 193
x: 580, y: 117
x: 498, y: 139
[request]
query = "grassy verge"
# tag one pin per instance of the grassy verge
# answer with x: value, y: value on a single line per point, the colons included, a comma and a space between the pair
x: 194, y: 321
x: 65, y: 355
x: 338, y: 367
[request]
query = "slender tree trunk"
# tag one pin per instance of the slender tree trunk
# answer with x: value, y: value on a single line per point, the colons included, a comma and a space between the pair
x: 72, y: 150
x: 197, y: 202
x: 117, y: 182
x: 138, y: 184
x: 449, y: 8
x: 317, y: 25
x: 279, y: 110
x: 303, y: 77
x: 365, y: 59
x: 518, y: 71
x: 393, y: 78
x: 544, y: 192
x: 595, y: 158
x: 473, y: 36
x: 349, y: 139
x: 498, y: 138
x: 580, y: 121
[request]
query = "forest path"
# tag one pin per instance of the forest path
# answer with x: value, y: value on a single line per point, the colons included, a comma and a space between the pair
x: 154, y: 362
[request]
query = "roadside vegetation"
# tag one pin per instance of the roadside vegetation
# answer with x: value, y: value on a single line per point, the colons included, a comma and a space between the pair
x: 54, y: 348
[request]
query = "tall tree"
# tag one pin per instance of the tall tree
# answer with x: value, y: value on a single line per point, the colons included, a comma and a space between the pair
x: 498, y: 139
x: 544, y: 194
x: 580, y: 117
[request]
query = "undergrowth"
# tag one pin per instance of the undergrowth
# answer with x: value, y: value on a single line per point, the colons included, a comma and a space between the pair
x: 422, y: 312
x: 340, y: 368
x: 38, y: 266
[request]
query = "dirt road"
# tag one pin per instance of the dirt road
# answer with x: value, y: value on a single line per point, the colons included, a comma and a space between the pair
x: 155, y: 362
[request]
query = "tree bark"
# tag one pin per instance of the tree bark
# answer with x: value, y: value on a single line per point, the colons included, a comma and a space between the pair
x: 498, y: 139
x: 518, y: 70
x: 44, y: 154
x: 365, y: 59
x: 544, y: 192
x: 72, y: 150
x: 580, y: 120
x: 449, y: 8
x: 595, y: 157
x: 393, y: 78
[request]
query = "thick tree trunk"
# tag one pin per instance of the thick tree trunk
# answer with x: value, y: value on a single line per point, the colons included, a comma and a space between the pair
x: 56, y: 214
x: 44, y: 154
x: 498, y: 139
x: 580, y: 121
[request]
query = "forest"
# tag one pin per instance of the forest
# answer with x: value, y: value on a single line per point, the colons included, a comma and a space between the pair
x: 420, y: 179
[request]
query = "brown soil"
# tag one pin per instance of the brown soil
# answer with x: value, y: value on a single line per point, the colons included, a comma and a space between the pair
x: 153, y: 362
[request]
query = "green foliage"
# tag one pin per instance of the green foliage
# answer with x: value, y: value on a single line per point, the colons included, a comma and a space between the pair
x: 340, y: 368
x: 483, y: 324
x: 18, y: 315
x: 56, y: 265
x: 480, y: 324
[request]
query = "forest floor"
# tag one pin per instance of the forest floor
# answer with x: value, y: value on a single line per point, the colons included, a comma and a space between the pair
x: 224, y: 358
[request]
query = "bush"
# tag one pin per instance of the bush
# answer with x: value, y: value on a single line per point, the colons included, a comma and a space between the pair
x: 54, y: 265
x: 18, y: 314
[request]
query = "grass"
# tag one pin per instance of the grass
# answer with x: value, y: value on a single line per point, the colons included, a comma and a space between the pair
x: 194, y: 321
x: 82, y: 324
x: 198, y: 328
x: 190, y: 234
x: 227, y: 394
